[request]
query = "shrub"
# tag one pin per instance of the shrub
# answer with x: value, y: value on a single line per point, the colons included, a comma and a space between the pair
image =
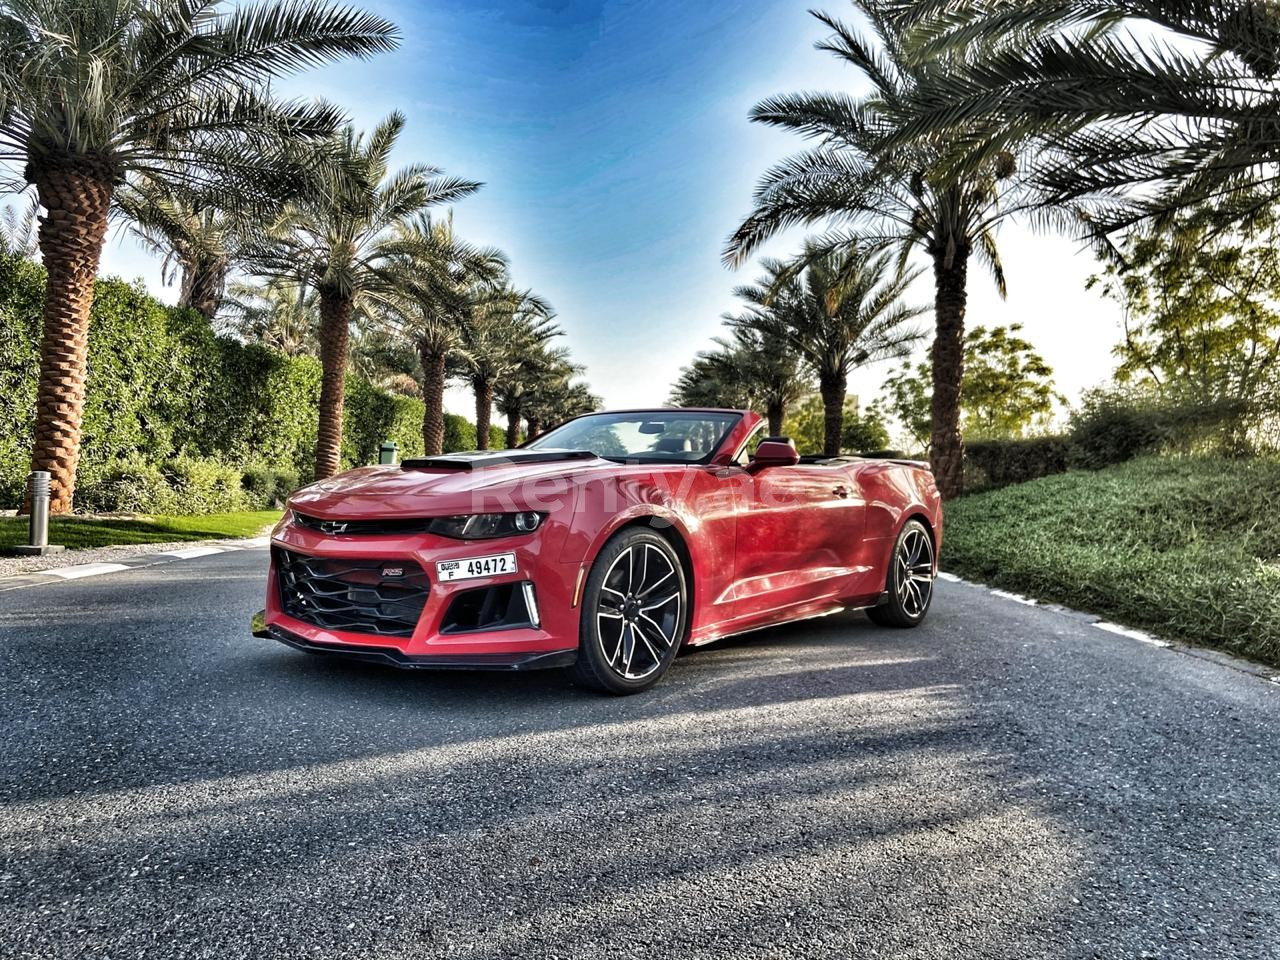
x: 998, y: 463
x: 459, y: 433
x: 372, y: 416
x: 131, y: 485
x: 497, y: 437
x: 267, y: 487
x: 1115, y: 425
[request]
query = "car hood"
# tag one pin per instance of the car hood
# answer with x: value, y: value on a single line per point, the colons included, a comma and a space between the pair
x: 454, y: 483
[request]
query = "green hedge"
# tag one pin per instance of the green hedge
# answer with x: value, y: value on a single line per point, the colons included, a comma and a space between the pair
x: 998, y: 463
x: 1111, y: 427
x: 173, y: 413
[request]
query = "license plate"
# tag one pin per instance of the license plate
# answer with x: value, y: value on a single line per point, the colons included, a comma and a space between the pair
x: 493, y: 566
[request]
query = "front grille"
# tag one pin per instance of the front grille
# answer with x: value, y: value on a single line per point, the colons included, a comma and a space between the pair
x: 381, y: 597
x: 364, y: 528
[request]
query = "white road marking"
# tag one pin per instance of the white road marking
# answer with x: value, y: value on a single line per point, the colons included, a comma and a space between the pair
x: 190, y: 553
x: 253, y: 542
x: 1132, y: 634
x: 1015, y: 597
x: 85, y: 570
x: 949, y: 577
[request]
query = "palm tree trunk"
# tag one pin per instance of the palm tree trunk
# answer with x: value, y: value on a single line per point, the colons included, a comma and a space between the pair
x: 202, y: 287
x: 774, y: 412
x: 433, y: 377
x: 71, y: 238
x: 535, y: 428
x: 513, y: 428
x: 484, y: 410
x: 335, y: 332
x: 832, y: 386
x: 946, y: 447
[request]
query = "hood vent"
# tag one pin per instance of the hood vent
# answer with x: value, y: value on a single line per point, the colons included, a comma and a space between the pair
x: 480, y: 459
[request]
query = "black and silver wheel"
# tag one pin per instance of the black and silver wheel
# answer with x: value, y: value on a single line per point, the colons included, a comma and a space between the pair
x: 910, y: 581
x: 634, y: 610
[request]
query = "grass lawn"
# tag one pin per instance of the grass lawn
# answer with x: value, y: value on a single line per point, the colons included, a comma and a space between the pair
x: 77, y: 532
x: 1189, y: 548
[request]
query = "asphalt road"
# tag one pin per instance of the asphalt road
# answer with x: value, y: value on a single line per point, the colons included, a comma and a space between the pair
x: 1006, y: 781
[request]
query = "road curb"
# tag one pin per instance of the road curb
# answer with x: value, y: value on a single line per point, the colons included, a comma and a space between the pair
x: 1209, y: 654
x: 79, y: 571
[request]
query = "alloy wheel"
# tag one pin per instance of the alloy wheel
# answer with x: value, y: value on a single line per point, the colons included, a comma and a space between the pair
x: 639, y: 613
x: 914, y: 561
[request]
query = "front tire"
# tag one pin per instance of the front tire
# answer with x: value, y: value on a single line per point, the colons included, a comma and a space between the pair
x: 910, y: 580
x: 634, y: 611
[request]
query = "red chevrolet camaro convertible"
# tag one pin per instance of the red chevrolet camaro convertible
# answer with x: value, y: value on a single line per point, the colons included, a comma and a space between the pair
x: 607, y: 544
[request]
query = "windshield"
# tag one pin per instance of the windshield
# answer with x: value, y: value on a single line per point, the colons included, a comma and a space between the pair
x: 658, y: 436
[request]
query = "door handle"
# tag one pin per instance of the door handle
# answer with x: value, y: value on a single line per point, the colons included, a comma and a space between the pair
x: 841, y: 491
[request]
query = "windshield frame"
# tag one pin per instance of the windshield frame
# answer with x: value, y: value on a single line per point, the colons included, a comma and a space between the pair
x: 733, y: 418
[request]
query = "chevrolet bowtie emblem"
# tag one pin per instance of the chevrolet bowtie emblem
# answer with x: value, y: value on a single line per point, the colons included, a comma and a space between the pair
x: 333, y: 526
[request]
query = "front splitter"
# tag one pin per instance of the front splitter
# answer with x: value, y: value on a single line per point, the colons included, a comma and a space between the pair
x: 389, y: 656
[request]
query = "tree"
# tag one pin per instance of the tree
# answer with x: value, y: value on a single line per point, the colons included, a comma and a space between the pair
x: 278, y: 313
x: 1202, y: 327
x: 539, y: 371
x: 1008, y: 388
x: 344, y: 241
x: 438, y: 282
x: 865, y: 431
x: 500, y: 331
x: 838, y: 309
x: 756, y: 368
x: 1138, y: 108
x: 558, y: 401
x: 904, y: 194
x: 96, y: 91
x: 198, y: 242
x: 861, y: 430
x: 19, y: 230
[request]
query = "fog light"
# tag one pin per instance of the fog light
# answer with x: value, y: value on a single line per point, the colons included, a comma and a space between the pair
x: 528, y: 522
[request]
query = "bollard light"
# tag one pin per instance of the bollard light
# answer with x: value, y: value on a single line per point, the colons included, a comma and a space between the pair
x: 388, y: 452
x: 38, y: 523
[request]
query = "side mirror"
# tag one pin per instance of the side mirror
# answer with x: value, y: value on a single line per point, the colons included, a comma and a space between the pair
x: 774, y: 453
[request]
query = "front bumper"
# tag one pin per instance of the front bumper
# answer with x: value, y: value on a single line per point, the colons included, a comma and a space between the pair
x: 549, y: 637
x: 390, y: 656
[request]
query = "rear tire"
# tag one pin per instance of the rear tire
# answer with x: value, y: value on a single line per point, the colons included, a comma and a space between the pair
x: 910, y: 580
x: 635, y: 607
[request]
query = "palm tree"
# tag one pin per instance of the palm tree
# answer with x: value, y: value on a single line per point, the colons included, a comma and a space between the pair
x: 715, y: 378
x: 93, y: 92
x: 277, y: 313
x: 499, y: 332
x: 198, y: 242
x: 755, y: 368
x: 773, y: 375
x: 18, y: 230
x: 344, y: 242
x: 838, y: 310
x: 539, y: 370
x: 441, y: 282
x: 903, y: 195
x: 556, y: 401
x: 1138, y: 108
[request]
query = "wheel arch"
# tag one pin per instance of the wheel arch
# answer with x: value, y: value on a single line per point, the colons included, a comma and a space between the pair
x: 670, y: 530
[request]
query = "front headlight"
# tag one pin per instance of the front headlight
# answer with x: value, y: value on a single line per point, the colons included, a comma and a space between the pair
x: 486, y: 526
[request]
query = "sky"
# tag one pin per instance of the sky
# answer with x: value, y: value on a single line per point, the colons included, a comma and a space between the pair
x: 616, y: 153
